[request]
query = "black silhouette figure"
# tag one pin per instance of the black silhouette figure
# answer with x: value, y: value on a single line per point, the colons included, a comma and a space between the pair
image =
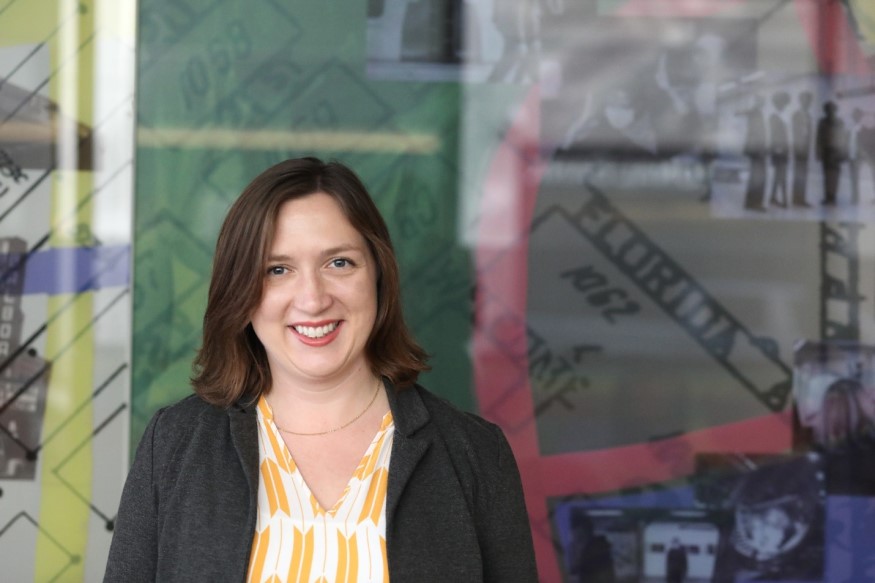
x: 830, y: 146
x: 779, y: 150
x: 855, y: 157
x: 801, y: 145
x: 866, y: 148
x: 753, y: 149
x: 591, y: 554
x: 676, y: 562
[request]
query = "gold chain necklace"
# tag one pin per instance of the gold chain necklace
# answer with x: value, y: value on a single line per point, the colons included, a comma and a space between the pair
x: 344, y: 426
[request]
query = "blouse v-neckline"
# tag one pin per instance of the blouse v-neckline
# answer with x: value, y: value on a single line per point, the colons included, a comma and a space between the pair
x: 364, y: 469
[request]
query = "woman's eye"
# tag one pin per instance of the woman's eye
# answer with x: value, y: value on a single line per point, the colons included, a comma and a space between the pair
x: 340, y: 262
x: 276, y: 270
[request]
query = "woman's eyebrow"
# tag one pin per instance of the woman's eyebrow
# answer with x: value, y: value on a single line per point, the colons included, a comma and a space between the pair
x: 345, y: 248
x: 342, y: 249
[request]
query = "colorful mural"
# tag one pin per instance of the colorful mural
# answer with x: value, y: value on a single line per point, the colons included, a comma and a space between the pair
x: 634, y: 233
x: 66, y: 171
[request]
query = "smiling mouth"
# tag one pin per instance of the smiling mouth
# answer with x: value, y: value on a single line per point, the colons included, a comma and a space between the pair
x: 316, y: 332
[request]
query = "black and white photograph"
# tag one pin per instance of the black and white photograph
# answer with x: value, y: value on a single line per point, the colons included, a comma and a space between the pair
x: 834, y: 389
x: 778, y: 517
x: 802, y: 148
x: 478, y: 41
x: 625, y: 544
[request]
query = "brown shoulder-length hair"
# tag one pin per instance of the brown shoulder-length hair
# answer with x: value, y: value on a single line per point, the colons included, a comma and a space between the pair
x: 232, y: 363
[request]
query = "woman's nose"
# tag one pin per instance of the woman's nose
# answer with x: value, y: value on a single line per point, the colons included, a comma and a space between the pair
x: 312, y: 294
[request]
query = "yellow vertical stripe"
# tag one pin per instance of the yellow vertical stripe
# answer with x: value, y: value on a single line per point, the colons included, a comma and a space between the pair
x: 386, y: 562
x: 296, y: 566
x: 344, y: 544
x: 342, y: 558
x: 307, y: 556
x: 278, y: 451
x: 269, y: 486
x: 259, y: 552
x: 62, y: 513
x: 63, y: 485
x: 352, y: 550
x: 373, y: 506
x: 282, y: 500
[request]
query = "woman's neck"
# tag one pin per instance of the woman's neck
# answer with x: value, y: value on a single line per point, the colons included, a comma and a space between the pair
x: 319, y: 406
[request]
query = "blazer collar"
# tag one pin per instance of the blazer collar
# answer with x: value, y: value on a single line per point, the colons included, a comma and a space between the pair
x: 408, y: 410
x: 244, y: 435
x: 409, y: 444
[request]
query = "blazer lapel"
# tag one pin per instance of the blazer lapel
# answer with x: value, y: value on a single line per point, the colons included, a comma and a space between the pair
x: 244, y: 434
x: 409, y: 444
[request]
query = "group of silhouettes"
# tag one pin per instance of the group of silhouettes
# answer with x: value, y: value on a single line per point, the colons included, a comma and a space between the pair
x: 833, y: 143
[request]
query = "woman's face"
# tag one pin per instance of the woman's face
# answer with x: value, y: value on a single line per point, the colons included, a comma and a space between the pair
x: 320, y: 294
x: 837, y: 422
x: 769, y: 530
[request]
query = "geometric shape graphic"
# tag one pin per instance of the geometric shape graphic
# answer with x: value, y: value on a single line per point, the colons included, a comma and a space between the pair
x: 18, y: 538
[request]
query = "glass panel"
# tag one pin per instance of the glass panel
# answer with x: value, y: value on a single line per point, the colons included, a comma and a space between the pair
x: 66, y: 176
x: 633, y: 233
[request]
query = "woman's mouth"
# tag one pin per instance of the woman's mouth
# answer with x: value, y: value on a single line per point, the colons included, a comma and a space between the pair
x: 316, y: 332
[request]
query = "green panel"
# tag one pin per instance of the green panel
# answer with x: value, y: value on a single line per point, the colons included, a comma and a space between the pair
x: 211, y: 71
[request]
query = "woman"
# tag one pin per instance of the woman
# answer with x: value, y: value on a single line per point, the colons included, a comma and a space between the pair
x: 306, y: 363
x: 844, y: 413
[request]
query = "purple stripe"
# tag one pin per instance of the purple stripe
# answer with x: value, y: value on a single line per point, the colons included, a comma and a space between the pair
x: 77, y: 269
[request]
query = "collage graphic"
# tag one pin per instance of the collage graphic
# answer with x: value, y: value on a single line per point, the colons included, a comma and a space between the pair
x: 636, y: 234
x: 66, y: 140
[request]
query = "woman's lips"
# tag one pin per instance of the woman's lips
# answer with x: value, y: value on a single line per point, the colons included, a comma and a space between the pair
x: 317, y: 333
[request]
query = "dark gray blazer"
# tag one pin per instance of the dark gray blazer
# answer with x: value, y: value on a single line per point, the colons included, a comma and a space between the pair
x: 454, y: 510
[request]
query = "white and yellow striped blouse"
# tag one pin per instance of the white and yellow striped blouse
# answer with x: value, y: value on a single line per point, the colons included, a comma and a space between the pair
x: 295, y: 539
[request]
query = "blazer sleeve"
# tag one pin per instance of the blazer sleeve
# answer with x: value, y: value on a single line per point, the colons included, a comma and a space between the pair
x: 133, y: 553
x: 505, y: 534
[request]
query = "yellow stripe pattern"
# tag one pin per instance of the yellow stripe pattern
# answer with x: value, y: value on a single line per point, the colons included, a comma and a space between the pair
x: 295, y: 539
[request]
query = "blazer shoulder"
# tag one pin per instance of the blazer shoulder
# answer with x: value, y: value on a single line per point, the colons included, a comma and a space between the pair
x: 174, y: 424
x: 462, y: 428
x: 190, y: 409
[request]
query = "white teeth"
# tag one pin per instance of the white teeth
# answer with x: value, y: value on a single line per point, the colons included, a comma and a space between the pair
x: 317, y: 331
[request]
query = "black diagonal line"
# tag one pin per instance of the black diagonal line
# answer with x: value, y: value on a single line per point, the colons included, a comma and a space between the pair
x: 51, y: 319
x: 27, y: 192
x: 23, y: 258
x: 61, y: 24
x: 91, y: 323
x: 10, y: 3
x: 24, y: 386
x: 60, y: 352
x: 85, y: 441
x: 24, y: 345
x: 39, y: 529
x: 87, y: 198
x: 13, y: 520
x: 47, y: 79
x: 36, y: 525
x: 16, y: 440
x: 57, y: 470
x: 79, y: 409
x: 25, y: 60
x: 60, y: 573
x: 94, y: 129
x: 22, y: 261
